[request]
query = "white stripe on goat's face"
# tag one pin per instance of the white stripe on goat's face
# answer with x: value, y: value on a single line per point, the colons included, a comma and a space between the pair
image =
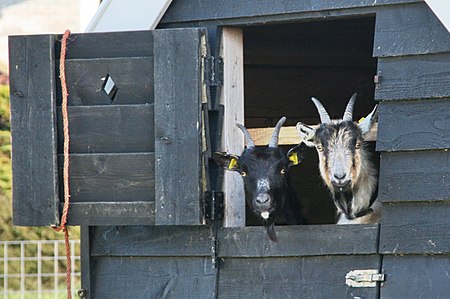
x: 338, y: 145
x: 343, y: 162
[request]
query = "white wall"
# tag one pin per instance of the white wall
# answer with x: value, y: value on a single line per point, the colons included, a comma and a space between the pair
x: 41, y: 16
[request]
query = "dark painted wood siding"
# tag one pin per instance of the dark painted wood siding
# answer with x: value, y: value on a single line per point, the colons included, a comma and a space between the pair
x: 113, y: 151
x: 413, y: 137
x: 34, y: 136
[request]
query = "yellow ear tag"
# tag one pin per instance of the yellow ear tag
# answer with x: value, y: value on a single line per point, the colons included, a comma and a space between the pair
x: 294, y: 158
x: 361, y: 120
x: 233, y: 163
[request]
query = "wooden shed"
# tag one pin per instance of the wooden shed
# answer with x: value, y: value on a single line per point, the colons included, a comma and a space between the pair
x: 148, y: 108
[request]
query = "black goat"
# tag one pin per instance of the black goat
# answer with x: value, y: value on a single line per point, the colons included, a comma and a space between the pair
x: 264, y: 171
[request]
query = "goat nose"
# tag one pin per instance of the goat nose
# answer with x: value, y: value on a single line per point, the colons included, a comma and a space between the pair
x: 339, y: 176
x: 262, y: 198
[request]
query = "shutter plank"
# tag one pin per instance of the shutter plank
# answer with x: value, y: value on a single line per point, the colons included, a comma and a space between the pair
x: 178, y: 126
x: 133, y: 77
x: 112, y: 213
x: 122, y: 177
x: 34, y: 140
x: 109, y: 129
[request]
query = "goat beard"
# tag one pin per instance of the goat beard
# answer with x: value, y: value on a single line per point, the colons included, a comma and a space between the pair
x: 343, y: 198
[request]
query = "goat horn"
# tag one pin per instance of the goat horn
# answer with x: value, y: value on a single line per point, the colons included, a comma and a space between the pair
x: 348, y: 114
x: 324, y: 117
x: 274, y: 140
x: 248, y: 139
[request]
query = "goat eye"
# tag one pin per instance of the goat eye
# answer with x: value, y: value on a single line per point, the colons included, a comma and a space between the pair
x: 243, y: 173
x: 319, y: 148
x: 357, y: 145
x: 283, y: 171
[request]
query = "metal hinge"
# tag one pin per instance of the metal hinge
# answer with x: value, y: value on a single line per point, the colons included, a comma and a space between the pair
x: 213, y: 70
x: 364, y: 278
x: 213, y: 205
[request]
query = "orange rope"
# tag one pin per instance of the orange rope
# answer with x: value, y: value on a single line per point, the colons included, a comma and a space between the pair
x: 62, y: 226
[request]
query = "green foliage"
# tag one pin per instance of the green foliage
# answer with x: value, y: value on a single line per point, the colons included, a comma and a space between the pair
x: 7, y: 231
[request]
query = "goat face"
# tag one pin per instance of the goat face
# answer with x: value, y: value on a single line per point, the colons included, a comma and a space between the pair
x: 264, y: 171
x: 343, y: 161
x: 339, y: 147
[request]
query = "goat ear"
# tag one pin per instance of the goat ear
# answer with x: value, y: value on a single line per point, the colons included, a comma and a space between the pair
x: 366, y: 123
x: 296, y: 154
x: 226, y: 161
x: 306, y: 134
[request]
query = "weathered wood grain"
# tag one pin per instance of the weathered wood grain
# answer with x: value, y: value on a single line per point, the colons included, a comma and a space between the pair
x: 108, y: 44
x: 111, y: 213
x: 122, y: 177
x: 416, y: 276
x: 415, y: 228
x: 33, y: 130
x: 185, y: 11
x: 413, y: 125
x: 232, y: 99
x: 109, y: 129
x: 293, y: 277
x: 133, y: 77
x: 409, y: 30
x: 414, y: 176
x: 302, y: 240
x: 414, y: 77
x: 152, y: 241
x: 178, y: 126
x: 161, y: 277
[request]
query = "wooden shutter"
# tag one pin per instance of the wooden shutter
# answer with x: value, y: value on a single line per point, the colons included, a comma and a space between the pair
x: 148, y: 136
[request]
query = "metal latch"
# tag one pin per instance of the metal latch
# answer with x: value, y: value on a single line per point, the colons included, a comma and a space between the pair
x: 364, y: 278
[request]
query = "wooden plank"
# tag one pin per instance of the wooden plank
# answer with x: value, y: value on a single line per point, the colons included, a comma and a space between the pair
x: 415, y: 228
x: 161, y: 277
x: 414, y: 28
x: 204, y: 10
x: 125, y: 177
x: 152, y: 241
x: 86, y: 264
x: 289, y: 135
x: 232, y: 99
x: 111, y: 213
x: 108, y: 45
x: 109, y: 129
x: 416, y: 277
x: 178, y: 126
x: 414, y: 125
x: 294, y: 241
x: 294, y: 277
x: 414, y: 77
x: 133, y: 77
x: 33, y: 119
x: 414, y: 176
